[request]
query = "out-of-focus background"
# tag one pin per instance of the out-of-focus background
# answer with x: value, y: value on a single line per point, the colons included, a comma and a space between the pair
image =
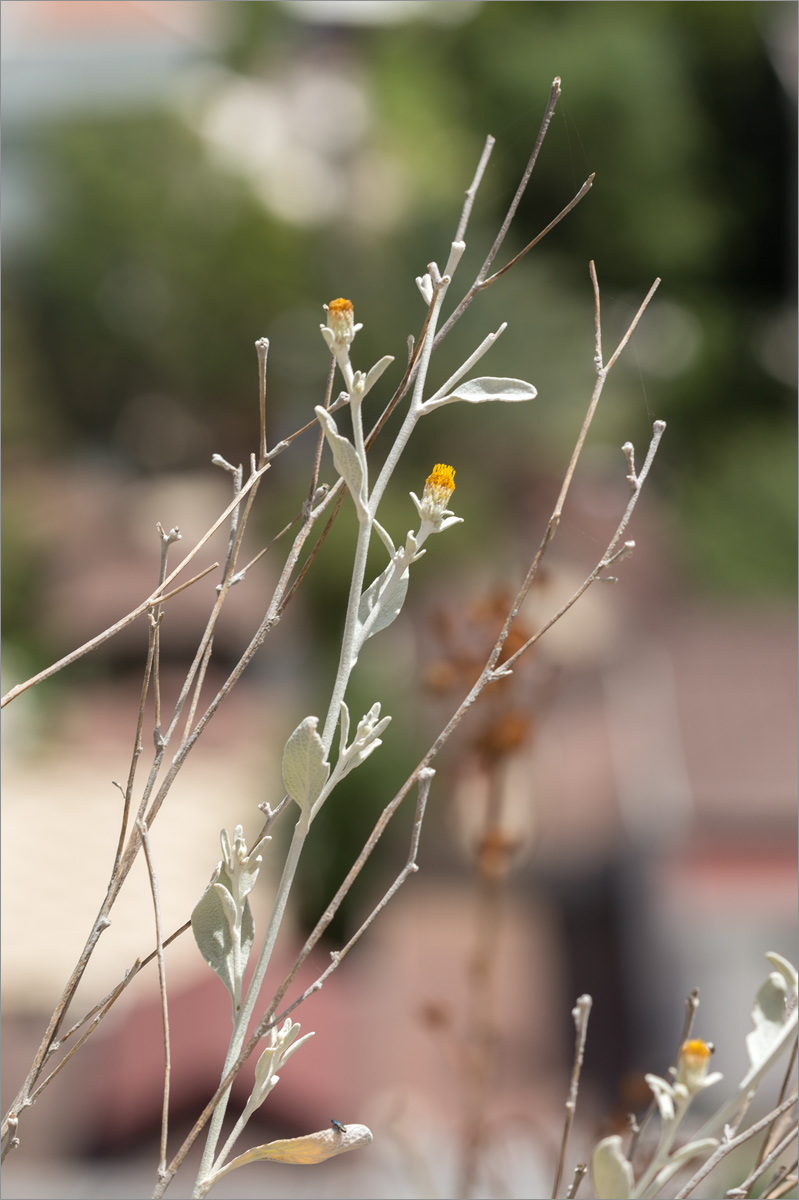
x: 182, y: 178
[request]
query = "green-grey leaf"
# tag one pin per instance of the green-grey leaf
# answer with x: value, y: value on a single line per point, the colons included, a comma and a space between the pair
x: 387, y: 593
x: 212, y: 931
x: 374, y: 373
x: 228, y: 904
x: 786, y: 969
x: 345, y: 456
x: 768, y: 1016
x: 611, y: 1173
x: 478, y: 391
x: 248, y: 872
x: 305, y: 771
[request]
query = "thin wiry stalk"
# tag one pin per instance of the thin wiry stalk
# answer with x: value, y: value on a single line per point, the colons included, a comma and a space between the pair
x: 730, y: 1144
x: 194, y: 579
x: 564, y: 212
x: 148, y: 857
x: 262, y: 349
x: 766, y: 1147
x: 580, y: 1013
x: 154, y: 598
x: 787, y: 1141
x: 580, y: 1172
x: 127, y: 791
x: 784, y: 1181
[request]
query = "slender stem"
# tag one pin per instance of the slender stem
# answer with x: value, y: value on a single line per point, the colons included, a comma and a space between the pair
x: 765, y: 1148
x: 198, y: 686
x: 262, y: 350
x: 137, y: 749
x: 740, y: 1192
x: 564, y: 212
x: 580, y: 1172
x: 424, y: 780
x: 243, y: 1018
x: 116, y: 991
x: 152, y: 599
x: 480, y: 281
x: 414, y: 410
x: 159, y: 937
x: 154, y: 616
x: 349, y: 649
x: 100, y: 1011
x: 784, y: 1181
x: 194, y: 579
x: 471, y: 190
x: 554, y: 520
x: 554, y: 96
x: 348, y: 655
x: 580, y: 1013
x: 731, y: 1144
x: 610, y: 556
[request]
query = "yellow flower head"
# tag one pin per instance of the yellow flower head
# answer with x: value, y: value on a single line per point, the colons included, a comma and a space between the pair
x: 341, y: 316
x: 693, y: 1062
x: 432, y: 507
x: 439, y: 486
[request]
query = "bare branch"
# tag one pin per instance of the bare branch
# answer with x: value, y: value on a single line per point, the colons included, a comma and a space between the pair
x: 154, y: 598
x: 262, y: 350
x: 564, y: 212
x: 580, y: 1172
x: 554, y: 96
x: 730, y: 1144
x: 471, y: 191
x: 162, y: 989
x: 581, y: 1012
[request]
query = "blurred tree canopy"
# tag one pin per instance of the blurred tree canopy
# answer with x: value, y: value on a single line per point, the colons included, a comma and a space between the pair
x: 129, y: 322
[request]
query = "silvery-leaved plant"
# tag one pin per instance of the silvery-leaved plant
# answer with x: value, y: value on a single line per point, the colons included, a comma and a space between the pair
x: 367, y: 739
x: 612, y: 1173
x: 775, y: 1019
x: 306, y: 772
x: 372, y: 608
x: 281, y: 1043
x: 307, y: 775
x: 222, y: 921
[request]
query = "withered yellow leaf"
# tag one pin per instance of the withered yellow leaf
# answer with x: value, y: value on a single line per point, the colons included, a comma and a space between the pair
x: 304, y: 1151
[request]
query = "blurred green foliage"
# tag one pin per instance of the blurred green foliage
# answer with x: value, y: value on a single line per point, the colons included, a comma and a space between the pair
x: 129, y: 323
x: 140, y: 303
